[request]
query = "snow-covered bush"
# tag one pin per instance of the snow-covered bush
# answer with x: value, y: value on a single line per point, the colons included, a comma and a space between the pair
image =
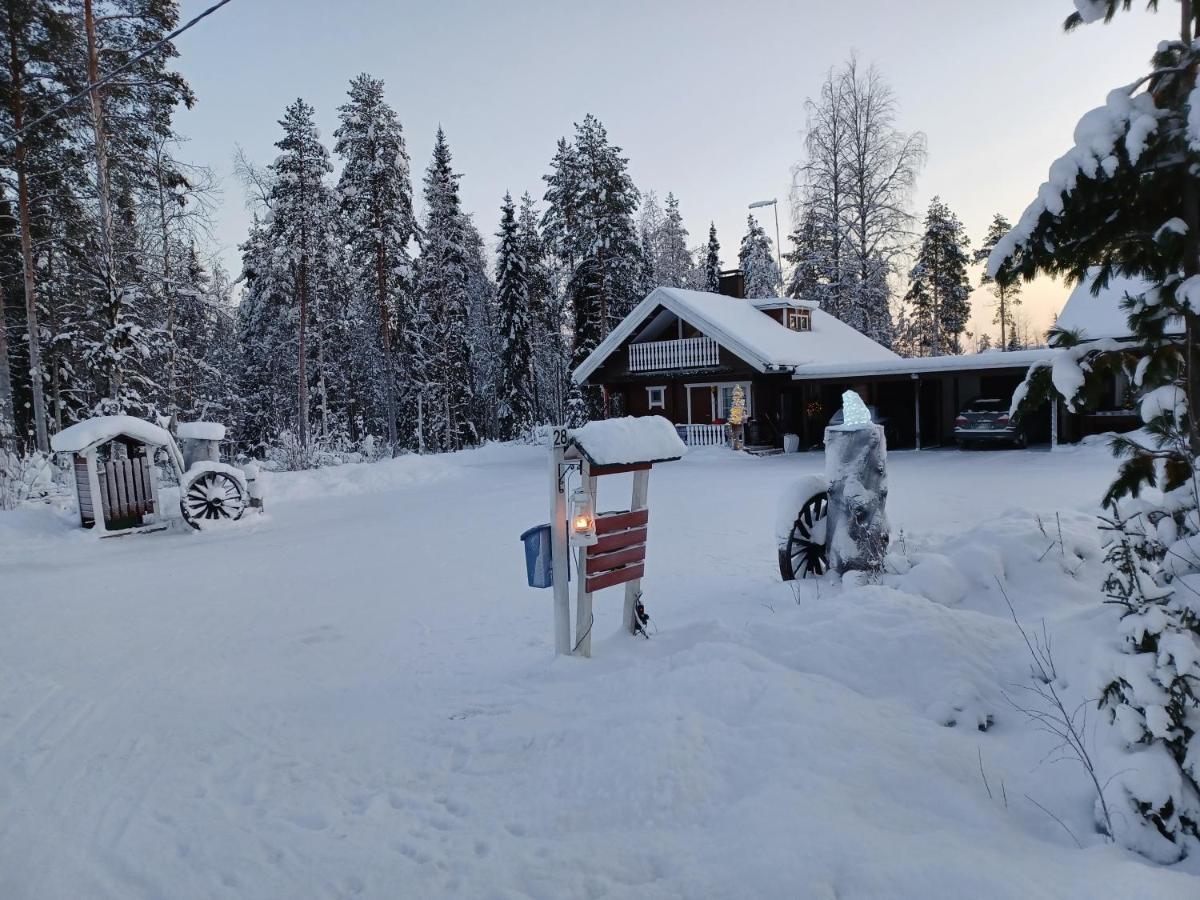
x: 24, y: 477
x: 1151, y: 687
x: 288, y: 454
x: 1122, y: 202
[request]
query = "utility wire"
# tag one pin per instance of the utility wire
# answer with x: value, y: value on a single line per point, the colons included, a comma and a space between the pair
x: 16, y: 135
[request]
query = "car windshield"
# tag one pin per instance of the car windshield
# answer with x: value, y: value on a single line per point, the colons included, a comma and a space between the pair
x: 988, y: 406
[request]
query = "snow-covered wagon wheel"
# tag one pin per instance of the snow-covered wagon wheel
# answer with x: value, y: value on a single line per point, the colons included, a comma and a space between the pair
x: 801, y: 530
x: 212, y: 493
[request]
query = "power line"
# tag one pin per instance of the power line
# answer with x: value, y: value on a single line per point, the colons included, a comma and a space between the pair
x: 16, y: 135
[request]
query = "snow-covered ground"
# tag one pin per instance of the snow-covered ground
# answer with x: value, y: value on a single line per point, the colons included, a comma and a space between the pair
x: 356, y: 695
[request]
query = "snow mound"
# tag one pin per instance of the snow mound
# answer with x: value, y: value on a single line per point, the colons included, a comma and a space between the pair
x: 357, y: 478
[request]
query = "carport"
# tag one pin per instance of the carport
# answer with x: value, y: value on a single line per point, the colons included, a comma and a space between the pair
x: 920, y: 397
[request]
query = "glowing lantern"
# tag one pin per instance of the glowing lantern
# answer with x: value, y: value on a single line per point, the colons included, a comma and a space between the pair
x: 854, y: 411
x: 583, y: 519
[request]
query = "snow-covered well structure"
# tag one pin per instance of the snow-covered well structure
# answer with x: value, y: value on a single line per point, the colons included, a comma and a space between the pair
x: 856, y: 470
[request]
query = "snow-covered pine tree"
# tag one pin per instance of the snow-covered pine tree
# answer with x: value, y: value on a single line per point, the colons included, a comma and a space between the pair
x: 268, y: 339
x: 757, y: 260
x: 375, y: 197
x: 674, y: 264
x: 546, y: 311
x: 665, y: 254
x: 516, y: 395
x: 447, y: 403
x: 1124, y: 201
x: 940, y: 290
x: 38, y: 35
x: 590, y: 205
x: 1007, y: 293
x: 301, y: 237
x: 127, y: 116
x: 814, y: 269
x: 650, y: 230
x: 712, y: 261
x: 585, y: 403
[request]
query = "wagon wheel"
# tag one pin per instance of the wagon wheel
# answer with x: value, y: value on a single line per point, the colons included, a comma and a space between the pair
x: 212, y: 496
x: 804, y: 552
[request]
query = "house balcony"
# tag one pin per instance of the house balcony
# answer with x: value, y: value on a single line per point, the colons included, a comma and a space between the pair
x: 687, y: 353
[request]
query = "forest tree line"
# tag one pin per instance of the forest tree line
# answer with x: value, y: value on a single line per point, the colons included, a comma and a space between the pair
x: 354, y: 320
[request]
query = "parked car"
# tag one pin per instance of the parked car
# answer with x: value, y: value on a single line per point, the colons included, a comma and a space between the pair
x: 889, y: 428
x: 986, y: 421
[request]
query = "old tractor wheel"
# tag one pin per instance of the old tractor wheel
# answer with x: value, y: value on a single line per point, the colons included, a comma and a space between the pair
x: 803, y: 553
x: 212, y: 496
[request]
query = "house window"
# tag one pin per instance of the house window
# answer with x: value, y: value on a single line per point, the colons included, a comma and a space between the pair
x: 799, y: 320
x: 725, y: 400
x: 656, y: 397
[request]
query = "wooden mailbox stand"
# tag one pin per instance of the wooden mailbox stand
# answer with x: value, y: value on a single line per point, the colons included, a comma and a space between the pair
x: 619, y: 554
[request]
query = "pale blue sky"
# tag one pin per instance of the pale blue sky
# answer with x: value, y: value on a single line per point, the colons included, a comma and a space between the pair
x: 706, y: 98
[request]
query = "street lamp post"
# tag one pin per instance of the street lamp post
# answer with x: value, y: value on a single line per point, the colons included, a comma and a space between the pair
x: 778, y: 255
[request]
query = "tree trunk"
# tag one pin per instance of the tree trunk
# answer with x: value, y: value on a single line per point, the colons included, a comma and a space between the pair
x: 8, y: 423
x: 168, y: 292
x: 103, y: 192
x: 17, y: 73
x: 385, y: 327
x: 302, y: 387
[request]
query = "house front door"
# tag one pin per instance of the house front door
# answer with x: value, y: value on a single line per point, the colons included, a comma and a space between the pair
x: 700, y: 405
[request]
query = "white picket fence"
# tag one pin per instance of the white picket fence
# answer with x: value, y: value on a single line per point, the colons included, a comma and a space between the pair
x: 703, y: 435
x: 688, y: 353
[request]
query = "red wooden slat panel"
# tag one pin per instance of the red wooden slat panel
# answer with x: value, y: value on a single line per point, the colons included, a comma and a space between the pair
x: 617, y: 576
x: 606, y: 561
x: 617, y: 470
x: 607, y: 523
x: 611, y: 542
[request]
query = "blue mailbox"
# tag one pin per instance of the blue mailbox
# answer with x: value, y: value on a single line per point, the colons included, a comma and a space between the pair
x: 539, y: 556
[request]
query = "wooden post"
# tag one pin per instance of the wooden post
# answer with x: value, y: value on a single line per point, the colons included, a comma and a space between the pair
x: 558, y: 544
x: 641, y: 487
x: 583, y: 598
x: 1054, y: 423
x: 97, y: 498
x: 917, y: 403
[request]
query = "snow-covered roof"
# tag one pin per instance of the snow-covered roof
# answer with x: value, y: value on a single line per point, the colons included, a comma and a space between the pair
x: 632, y: 439
x: 1100, y: 316
x: 201, y: 431
x: 82, y: 435
x: 743, y: 329
x: 783, y: 303
x: 919, y: 365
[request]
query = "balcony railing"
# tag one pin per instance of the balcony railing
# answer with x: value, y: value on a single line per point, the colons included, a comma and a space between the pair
x: 688, y: 353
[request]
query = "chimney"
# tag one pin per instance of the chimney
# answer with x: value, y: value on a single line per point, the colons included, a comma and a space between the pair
x: 732, y: 283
